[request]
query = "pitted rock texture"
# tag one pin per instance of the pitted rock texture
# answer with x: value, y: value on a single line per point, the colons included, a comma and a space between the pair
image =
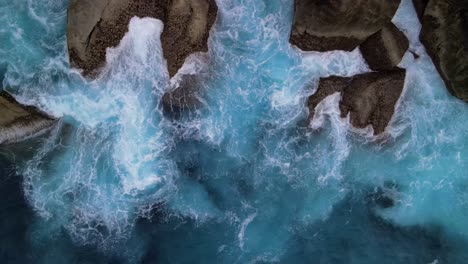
x: 324, y: 25
x: 187, y: 30
x: 94, y: 25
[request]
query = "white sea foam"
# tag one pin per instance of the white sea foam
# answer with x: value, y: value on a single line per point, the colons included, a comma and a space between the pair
x: 111, y: 158
x: 116, y: 144
x: 244, y: 226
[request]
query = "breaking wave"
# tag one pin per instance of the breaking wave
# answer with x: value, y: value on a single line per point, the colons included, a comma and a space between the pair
x: 242, y: 178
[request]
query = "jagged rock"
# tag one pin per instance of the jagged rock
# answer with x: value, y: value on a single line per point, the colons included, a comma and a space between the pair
x: 445, y: 35
x: 370, y: 98
x: 385, y: 49
x: 324, y: 25
x: 18, y: 122
x: 94, y: 25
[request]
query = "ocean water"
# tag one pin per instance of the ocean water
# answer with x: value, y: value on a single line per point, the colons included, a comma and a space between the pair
x: 242, y: 179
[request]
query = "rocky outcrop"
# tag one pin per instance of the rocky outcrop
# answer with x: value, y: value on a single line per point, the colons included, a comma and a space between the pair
x: 324, y: 25
x: 188, y: 87
x: 94, y: 25
x: 370, y: 98
x: 385, y: 49
x: 18, y: 122
x: 445, y: 35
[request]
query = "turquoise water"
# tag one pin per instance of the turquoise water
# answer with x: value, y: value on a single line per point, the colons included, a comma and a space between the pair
x: 241, y: 179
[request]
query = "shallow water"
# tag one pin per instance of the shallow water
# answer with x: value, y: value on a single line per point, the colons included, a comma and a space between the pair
x: 241, y: 179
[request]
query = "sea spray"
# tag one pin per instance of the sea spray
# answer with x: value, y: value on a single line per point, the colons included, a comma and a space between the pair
x: 244, y: 177
x: 109, y: 159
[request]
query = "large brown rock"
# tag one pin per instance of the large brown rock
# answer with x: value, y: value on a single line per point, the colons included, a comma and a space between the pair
x: 445, y: 35
x: 324, y: 25
x: 327, y: 86
x: 94, y: 25
x: 370, y: 98
x: 385, y: 49
x: 18, y: 122
x: 187, y: 30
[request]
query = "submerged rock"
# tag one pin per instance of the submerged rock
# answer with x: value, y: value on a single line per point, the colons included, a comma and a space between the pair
x: 370, y: 98
x: 94, y: 25
x: 324, y: 25
x: 385, y: 49
x: 445, y: 35
x: 188, y: 87
x: 184, y: 97
x: 18, y: 122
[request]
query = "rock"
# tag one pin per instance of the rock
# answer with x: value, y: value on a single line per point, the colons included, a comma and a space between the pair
x: 385, y: 49
x: 324, y: 25
x: 445, y: 35
x: 91, y: 29
x: 94, y: 25
x: 187, y: 30
x: 18, y: 122
x: 327, y: 86
x: 370, y: 98
x: 420, y: 6
x: 188, y: 87
x: 184, y: 97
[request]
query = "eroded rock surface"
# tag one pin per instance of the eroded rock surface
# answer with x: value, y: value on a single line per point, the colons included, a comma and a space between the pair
x: 94, y: 25
x: 445, y: 35
x: 324, y: 25
x: 385, y: 49
x: 370, y: 98
x: 18, y: 122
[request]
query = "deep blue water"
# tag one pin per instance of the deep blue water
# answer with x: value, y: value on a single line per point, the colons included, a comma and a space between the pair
x: 242, y: 179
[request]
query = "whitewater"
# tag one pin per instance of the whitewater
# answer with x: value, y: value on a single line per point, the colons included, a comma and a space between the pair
x: 242, y: 178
